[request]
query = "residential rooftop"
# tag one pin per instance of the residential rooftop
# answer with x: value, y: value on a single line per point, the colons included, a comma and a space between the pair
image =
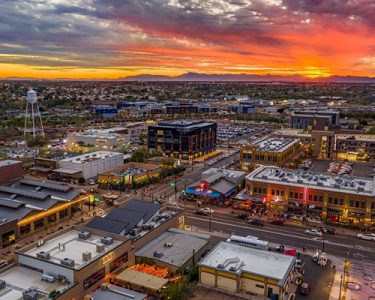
x: 238, y: 259
x: 274, y: 144
x: 180, y: 246
x: 81, y: 159
x: 71, y: 245
x: 337, y: 183
x: 21, y: 279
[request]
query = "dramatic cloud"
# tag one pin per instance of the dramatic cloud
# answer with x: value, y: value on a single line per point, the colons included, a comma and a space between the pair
x: 115, y: 38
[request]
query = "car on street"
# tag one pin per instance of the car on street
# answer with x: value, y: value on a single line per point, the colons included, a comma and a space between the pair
x: 92, y: 182
x: 366, y: 236
x: 280, y: 222
x: 256, y: 222
x: 207, y: 210
x: 328, y: 230
x: 201, y: 212
x: 243, y: 216
x: 304, y: 288
x: 314, y: 232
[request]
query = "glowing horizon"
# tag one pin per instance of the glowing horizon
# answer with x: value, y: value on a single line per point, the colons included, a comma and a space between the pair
x: 108, y: 39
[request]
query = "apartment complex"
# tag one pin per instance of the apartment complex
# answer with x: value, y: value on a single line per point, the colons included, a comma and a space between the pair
x: 269, y: 151
x: 334, y: 197
x: 183, y: 139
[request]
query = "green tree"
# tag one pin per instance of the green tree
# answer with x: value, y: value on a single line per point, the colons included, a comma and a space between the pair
x: 81, y: 180
x: 37, y: 141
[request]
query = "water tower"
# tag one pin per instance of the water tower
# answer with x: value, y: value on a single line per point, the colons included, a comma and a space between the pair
x: 33, y: 114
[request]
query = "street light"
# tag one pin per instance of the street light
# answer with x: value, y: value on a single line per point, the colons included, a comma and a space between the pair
x: 323, y: 241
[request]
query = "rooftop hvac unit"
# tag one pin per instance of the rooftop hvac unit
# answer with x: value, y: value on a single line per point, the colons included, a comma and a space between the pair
x: 100, y: 247
x: 30, y: 294
x: 86, y: 256
x: 107, y: 240
x: 67, y: 262
x: 360, y: 189
x: 299, y: 181
x: 84, y: 235
x: 3, y: 284
x: 158, y: 254
x: 43, y: 255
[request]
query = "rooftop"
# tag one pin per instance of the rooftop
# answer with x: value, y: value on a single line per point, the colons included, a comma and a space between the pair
x: 225, y: 172
x: 342, y: 183
x: 91, y: 156
x: 142, y: 279
x: 182, y: 244
x: 101, y: 134
x: 70, y: 245
x: 183, y: 124
x: 237, y: 259
x: 274, y: 144
x: 8, y: 162
x: 113, y: 292
x: 20, y: 279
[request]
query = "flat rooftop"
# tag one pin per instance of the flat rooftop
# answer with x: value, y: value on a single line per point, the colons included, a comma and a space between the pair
x: 91, y: 156
x: 113, y: 292
x: 8, y: 162
x: 275, y: 144
x: 182, y: 245
x: 98, y: 135
x: 19, y: 279
x: 336, y: 183
x: 71, y: 246
x: 237, y: 259
x: 183, y: 124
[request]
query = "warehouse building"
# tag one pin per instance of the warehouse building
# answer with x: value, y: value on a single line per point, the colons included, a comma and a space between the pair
x: 341, y: 198
x: 10, y: 170
x: 241, y: 271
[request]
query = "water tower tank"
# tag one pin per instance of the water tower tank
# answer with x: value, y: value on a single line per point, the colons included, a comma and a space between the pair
x: 31, y: 96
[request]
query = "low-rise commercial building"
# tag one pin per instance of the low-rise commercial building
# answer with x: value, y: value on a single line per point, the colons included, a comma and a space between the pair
x: 241, y: 271
x: 10, y: 170
x: 91, y: 164
x: 269, y: 151
x: 81, y: 259
x: 95, y: 139
x: 334, y: 197
x: 175, y: 249
x: 28, y: 206
x: 183, y: 139
x: 113, y: 292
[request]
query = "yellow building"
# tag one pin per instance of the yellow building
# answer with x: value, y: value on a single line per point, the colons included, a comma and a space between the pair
x: 336, y: 198
x: 269, y: 151
x: 241, y: 270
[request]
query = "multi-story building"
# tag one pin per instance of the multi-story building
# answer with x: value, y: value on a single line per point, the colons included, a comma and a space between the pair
x: 355, y: 147
x: 269, y: 151
x: 323, y: 144
x: 240, y: 271
x: 105, y: 111
x: 314, y: 119
x: 94, y: 140
x: 242, y: 108
x: 183, y: 139
x: 338, y: 198
x: 91, y: 164
x: 28, y: 206
x: 10, y: 170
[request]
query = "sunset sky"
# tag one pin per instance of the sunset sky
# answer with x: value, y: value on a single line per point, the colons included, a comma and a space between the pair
x: 118, y: 38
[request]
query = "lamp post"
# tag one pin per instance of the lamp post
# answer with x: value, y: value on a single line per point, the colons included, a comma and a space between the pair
x: 323, y: 241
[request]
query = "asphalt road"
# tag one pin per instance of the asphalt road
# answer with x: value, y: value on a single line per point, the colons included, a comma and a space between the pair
x: 294, y: 236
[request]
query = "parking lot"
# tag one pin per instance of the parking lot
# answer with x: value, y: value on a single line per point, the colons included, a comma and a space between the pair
x: 234, y: 133
x: 361, y: 169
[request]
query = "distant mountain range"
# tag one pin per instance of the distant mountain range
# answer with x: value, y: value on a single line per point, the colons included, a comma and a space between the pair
x: 248, y: 77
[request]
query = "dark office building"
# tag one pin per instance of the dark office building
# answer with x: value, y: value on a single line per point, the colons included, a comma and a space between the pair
x: 183, y: 139
x: 314, y: 120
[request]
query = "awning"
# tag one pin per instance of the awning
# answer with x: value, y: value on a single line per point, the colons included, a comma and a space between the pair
x: 142, y: 279
x: 66, y: 171
x: 41, y: 169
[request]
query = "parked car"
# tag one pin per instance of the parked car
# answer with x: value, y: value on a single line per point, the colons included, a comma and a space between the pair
x: 92, y: 182
x: 366, y: 236
x: 243, y: 216
x: 328, y: 230
x: 304, y: 288
x: 280, y: 222
x: 314, y: 232
x: 256, y: 222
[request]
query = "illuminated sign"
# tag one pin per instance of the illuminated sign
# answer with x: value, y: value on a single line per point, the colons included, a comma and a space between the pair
x: 160, y: 132
x: 107, y: 258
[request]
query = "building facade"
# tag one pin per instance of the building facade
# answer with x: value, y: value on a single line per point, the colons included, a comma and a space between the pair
x: 314, y: 119
x: 10, y: 170
x: 333, y: 197
x: 183, y: 139
x: 269, y: 151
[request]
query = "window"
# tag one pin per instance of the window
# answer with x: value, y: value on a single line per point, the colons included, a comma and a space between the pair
x: 290, y: 194
x: 277, y: 193
x: 63, y: 214
x: 295, y: 195
x: 372, y: 205
x: 259, y: 286
x: 341, y: 202
x: 255, y: 190
x: 351, y: 203
x: 282, y: 193
x: 264, y: 191
x: 273, y: 192
x: 320, y: 198
x: 52, y: 218
x: 310, y: 197
x: 25, y: 229
x: 357, y: 204
x: 330, y: 200
x: 300, y: 195
x: 39, y: 224
x: 315, y: 198
x: 363, y: 204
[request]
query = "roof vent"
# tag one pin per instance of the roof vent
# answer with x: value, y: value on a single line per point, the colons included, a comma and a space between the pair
x: 67, y: 262
x: 43, y: 255
x: 107, y: 240
x: 84, y: 235
x: 100, y: 247
x: 158, y: 254
x: 86, y: 256
x: 30, y: 294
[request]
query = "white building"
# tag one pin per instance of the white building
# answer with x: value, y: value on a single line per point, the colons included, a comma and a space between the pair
x: 91, y: 164
x: 95, y: 139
